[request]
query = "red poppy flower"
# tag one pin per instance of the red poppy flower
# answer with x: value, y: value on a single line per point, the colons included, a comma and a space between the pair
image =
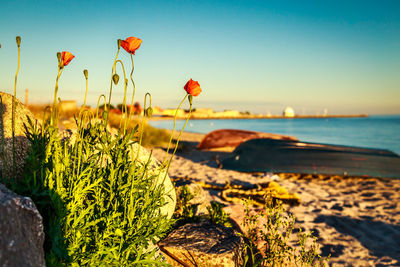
x: 192, y: 88
x: 66, y: 58
x: 131, y: 44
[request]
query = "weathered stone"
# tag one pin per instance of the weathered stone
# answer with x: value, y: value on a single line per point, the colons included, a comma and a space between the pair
x: 21, y: 142
x: 21, y: 231
x: 203, y: 244
x: 154, y: 168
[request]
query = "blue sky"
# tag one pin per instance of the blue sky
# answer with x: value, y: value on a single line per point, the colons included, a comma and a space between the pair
x: 248, y: 55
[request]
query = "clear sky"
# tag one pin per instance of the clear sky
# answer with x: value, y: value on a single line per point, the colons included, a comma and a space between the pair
x: 248, y: 55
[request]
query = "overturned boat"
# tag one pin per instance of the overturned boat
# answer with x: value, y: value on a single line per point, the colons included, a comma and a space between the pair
x: 268, y: 155
x: 233, y: 138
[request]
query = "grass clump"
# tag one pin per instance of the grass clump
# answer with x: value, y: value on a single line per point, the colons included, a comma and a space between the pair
x: 185, y: 211
x: 275, y: 236
x: 217, y: 215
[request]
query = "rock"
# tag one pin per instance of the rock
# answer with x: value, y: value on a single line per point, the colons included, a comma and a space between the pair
x: 203, y: 244
x: 21, y: 231
x: 162, y: 177
x: 21, y: 142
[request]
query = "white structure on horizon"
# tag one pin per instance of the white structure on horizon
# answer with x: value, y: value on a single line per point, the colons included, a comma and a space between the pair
x: 288, y: 112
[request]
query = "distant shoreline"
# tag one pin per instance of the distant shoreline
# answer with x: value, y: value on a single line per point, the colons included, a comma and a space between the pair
x: 245, y: 117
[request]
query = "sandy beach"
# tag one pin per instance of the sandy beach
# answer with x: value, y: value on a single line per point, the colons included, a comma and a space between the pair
x: 356, y: 219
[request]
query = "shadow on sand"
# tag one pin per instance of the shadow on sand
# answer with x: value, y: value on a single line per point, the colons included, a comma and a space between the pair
x: 380, y: 238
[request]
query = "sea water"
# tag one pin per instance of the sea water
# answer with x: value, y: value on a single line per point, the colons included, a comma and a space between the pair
x: 382, y: 132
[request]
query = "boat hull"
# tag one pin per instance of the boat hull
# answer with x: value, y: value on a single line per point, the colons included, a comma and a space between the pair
x: 266, y: 155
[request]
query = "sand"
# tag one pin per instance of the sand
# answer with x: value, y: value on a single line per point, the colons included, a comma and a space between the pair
x: 356, y: 220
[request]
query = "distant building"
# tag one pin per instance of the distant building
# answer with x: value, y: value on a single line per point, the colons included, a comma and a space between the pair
x: 157, y: 110
x: 172, y: 112
x: 67, y: 105
x: 288, y: 112
x: 227, y: 114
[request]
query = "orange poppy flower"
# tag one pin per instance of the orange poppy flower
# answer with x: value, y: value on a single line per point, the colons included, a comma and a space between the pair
x: 192, y: 88
x: 131, y: 44
x: 66, y: 58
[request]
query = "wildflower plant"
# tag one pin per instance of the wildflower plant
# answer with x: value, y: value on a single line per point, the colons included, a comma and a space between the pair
x: 275, y: 235
x: 217, y: 215
x: 101, y: 202
x: 18, y: 40
x: 192, y: 88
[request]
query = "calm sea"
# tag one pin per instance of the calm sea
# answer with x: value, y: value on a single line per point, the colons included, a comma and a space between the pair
x: 371, y: 132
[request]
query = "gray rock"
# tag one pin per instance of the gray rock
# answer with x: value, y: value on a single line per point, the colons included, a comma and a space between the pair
x: 203, y: 244
x: 21, y: 231
x: 21, y: 142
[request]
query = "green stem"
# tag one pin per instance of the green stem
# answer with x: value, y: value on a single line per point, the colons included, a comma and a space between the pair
x: 13, y: 112
x: 134, y: 87
x: 173, y: 129
x: 54, y: 113
x: 180, y: 133
x: 179, y: 137
x: 80, y: 141
x: 98, y: 103
x: 3, y: 153
x: 143, y: 121
x: 44, y: 125
x: 138, y: 150
x: 84, y: 102
x: 125, y: 89
x: 111, y: 82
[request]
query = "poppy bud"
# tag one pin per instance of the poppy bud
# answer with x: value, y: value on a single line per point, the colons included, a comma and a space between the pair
x: 190, y: 97
x: 85, y: 72
x: 0, y: 45
x: 105, y: 115
x: 59, y: 57
x: 18, y: 38
x: 115, y: 78
x: 119, y: 43
x: 149, y: 112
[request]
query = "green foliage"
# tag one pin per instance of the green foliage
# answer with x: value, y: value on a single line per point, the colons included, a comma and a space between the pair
x: 99, y: 207
x: 275, y: 235
x: 217, y: 215
x: 184, y: 211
